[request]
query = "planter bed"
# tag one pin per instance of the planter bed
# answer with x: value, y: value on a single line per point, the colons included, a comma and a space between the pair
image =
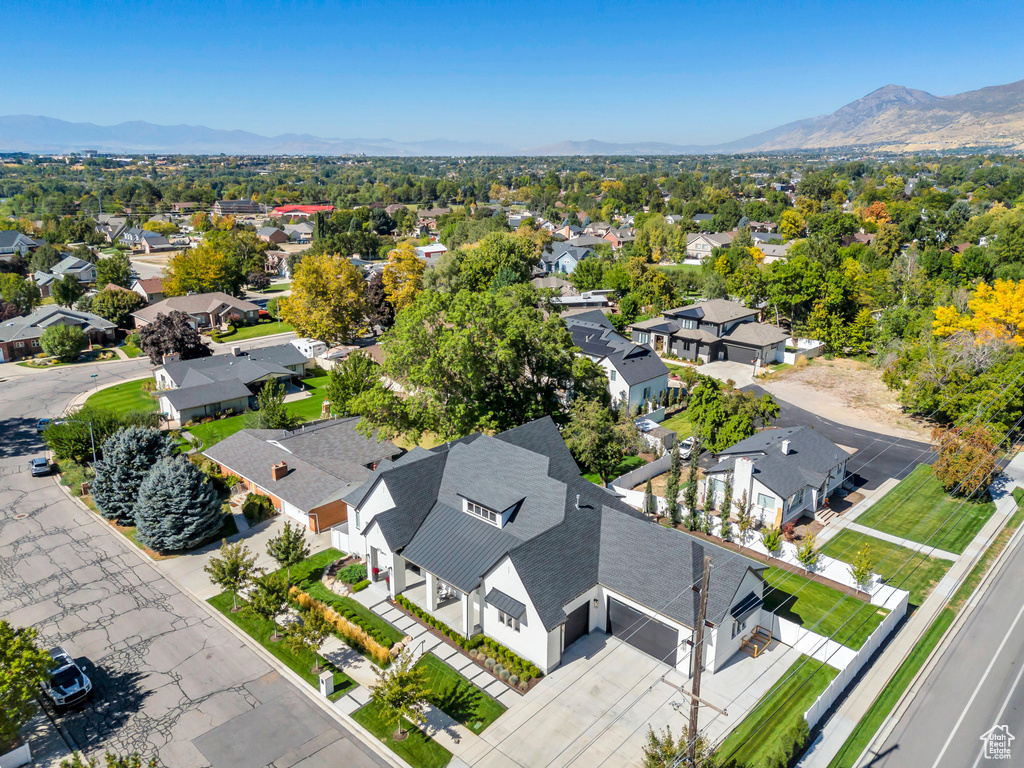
x: 444, y: 638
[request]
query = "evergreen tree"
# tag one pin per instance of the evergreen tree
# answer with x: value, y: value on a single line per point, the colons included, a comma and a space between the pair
x: 649, y: 506
x: 128, y: 456
x: 673, y: 488
x: 289, y: 547
x: 727, y: 495
x: 690, y: 497
x: 178, y: 508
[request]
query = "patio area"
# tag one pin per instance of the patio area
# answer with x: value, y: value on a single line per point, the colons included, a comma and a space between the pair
x: 449, y: 609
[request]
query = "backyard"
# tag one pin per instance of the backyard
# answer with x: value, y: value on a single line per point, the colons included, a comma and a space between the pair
x: 920, y: 510
x: 308, y: 408
x: 760, y: 733
x: 900, y: 567
x: 121, y: 398
x: 821, y: 609
x: 680, y: 424
x: 627, y: 464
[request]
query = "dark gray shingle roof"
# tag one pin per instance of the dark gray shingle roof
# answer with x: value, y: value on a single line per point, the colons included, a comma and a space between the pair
x: 206, y: 394
x: 636, y: 363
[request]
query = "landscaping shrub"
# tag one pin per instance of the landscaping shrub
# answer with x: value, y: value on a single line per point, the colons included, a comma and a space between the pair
x: 347, y: 630
x: 361, y: 585
x: 257, y: 508
x: 353, y: 574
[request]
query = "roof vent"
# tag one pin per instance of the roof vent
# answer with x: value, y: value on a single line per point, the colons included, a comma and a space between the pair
x: 577, y: 501
x: 279, y: 470
x: 785, y: 447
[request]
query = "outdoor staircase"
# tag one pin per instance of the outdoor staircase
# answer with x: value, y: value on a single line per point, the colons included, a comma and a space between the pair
x: 826, y: 515
x: 757, y: 641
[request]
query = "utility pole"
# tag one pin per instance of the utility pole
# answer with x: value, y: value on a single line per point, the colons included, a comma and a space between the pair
x: 697, y: 658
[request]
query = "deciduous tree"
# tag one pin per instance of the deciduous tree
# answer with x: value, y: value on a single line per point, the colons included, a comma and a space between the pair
x: 115, y: 269
x: 22, y: 293
x: 596, y: 441
x: 65, y: 342
x: 310, y: 633
x: 172, y: 334
x: 117, y: 306
x: 271, y: 412
x: 67, y: 290
x: 23, y: 666
x: 289, y: 548
x: 401, y: 693
x: 268, y: 599
x: 403, y: 276
x: 233, y: 569
x: 356, y: 374
x: 967, y: 458
x: 328, y: 299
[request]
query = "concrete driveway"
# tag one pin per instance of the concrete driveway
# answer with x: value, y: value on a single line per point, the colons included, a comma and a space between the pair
x: 595, y: 709
x: 723, y: 370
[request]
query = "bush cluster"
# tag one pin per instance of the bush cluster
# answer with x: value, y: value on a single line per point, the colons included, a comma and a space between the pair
x: 257, y: 508
x: 353, y: 574
x: 347, y: 628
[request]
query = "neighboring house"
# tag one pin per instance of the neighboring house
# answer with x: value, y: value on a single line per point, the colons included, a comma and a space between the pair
x: 701, y: 244
x: 111, y: 226
x: 713, y: 330
x: 703, y: 219
x: 619, y: 237
x: 151, y: 289
x: 306, y: 472
x: 293, y: 211
x: 430, y: 253
x: 272, y: 235
x: 784, y: 473
x: 587, y: 241
x: 563, y: 258
x: 773, y: 251
x: 143, y: 240
x: 299, y: 233
x: 193, y: 389
x: 13, y: 242
x: 84, y: 271
x: 19, y: 337
x: 501, y: 535
x: 564, y: 287
x: 277, y: 264
x: 584, y: 300
x: 635, y: 374
x: 569, y: 230
x: 597, y: 229
x: 238, y: 208
x: 205, y: 309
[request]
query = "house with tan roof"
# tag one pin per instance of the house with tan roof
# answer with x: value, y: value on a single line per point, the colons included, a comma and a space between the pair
x: 207, y: 310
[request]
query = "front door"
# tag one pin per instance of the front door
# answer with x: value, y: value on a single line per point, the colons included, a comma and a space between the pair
x: 577, y: 624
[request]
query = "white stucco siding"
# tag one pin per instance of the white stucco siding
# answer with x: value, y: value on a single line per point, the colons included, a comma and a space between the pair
x: 532, y: 641
x: 374, y: 539
x: 729, y: 636
x: 377, y: 500
x: 654, y: 387
x: 617, y: 386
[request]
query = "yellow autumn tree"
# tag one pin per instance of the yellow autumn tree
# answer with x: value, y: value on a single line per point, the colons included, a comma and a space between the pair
x: 199, y: 270
x: 327, y: 301
x: 994, y: 310
x: 791, y: 224
x: 403, y: 276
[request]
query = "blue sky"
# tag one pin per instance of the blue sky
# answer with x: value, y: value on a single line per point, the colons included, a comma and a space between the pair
x: 522, y: 74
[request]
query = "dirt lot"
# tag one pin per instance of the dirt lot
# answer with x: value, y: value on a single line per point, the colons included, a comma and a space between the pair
x: 848, y: 392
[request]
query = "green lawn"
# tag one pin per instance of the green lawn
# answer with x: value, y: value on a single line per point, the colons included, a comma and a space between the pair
x: 417, y: 749
x: 263, y: 328
x: 680, y: 424
x: 277, y: 288
x: 821, y: 609
x: 671, y: 268
x: 458, y: 698
x: 900, y: 567
x: 299, y: 662
x: 213, y: 432
x: 1018, y: 496
x: 128, y: 396
x: 754, y: 740
x: 131, y: 350
x: 626, y: 465
x: 311, y: 569
x: 920, y: 510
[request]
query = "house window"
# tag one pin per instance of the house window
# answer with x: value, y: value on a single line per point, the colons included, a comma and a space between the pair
x: 690, y: 324
x: 798, y: 498
x: 19, y: 344
x: 611, y: 375
x: 358, y: 525
x: 509, y: 621
x: 35, y: 342
x: 642, y: 338
x: 765, y: 501
x: 738, y: 626
x: 482, y: 512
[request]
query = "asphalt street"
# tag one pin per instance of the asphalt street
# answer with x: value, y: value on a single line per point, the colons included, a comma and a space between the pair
x: 975, y: 686
x: 878, y: 457
x: 171, y: 681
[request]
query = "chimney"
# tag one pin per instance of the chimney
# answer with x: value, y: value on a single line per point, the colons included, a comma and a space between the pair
x: 785, y: 447
x: 279, y: 470
x: 171, y: 358
x: 236, y: 351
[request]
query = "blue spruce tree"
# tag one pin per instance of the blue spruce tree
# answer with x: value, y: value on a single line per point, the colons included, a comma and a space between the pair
x: 177, y: 508
x: 128, y: 456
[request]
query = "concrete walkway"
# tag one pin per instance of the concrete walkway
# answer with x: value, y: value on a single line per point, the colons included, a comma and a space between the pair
x: 857, y: 703
x: 924, y: 548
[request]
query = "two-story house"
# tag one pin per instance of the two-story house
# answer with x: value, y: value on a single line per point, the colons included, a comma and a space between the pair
x: 564, y: 258
x: 700, y: 244
x: 713, y: 330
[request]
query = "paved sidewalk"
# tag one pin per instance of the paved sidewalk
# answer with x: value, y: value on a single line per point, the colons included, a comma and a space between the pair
x: 857, y: 703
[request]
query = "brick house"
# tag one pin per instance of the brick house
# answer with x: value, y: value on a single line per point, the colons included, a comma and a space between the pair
x: 19, y: 337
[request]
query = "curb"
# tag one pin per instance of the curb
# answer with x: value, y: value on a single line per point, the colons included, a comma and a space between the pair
x: 914, y: 687
x: 365, y: 737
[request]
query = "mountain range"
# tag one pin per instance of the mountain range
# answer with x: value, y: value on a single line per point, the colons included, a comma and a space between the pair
x: 892, y: 118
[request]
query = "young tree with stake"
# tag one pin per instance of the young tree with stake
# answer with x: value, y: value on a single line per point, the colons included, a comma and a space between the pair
x: 289, y: 548
x: 269, y: 599
x: 234, y: 569
x: 400, y: 691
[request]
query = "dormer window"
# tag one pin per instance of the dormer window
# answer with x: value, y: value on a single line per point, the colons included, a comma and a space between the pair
x: 482, y: 512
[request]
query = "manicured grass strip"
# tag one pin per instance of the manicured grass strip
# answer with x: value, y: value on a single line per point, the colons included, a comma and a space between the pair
x: 299, y: 662
x: 886, y: 701
x: 131, y: 350
x: 628, y: 464
x: 1018, y: 496
x: 458, y: 698
x: 900, y: 567
x: 312, y: 568
x: 757, y: 736
x: 670, y: 268
x: 821, y: 609
x: 277, y: 288
x: 417, y: 749
x: 243, y: 332
x: 920, y: 510
x: 367, y: 618
x: 125, y: 397
x: 308, y: 408
x: 681, y: 424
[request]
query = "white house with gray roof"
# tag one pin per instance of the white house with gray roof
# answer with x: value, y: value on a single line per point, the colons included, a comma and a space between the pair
x: 784, y: 472
x: 501, y: 535
x: 635, y: 374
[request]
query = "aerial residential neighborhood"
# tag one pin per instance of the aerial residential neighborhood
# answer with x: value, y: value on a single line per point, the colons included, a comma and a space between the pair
x: 694, y: 444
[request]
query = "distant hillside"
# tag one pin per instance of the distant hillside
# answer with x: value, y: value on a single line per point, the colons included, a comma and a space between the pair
x: 891, y: 118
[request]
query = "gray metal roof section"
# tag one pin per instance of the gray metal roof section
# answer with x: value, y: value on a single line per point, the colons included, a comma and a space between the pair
x: 505, y: 603
x: 206, y: 394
